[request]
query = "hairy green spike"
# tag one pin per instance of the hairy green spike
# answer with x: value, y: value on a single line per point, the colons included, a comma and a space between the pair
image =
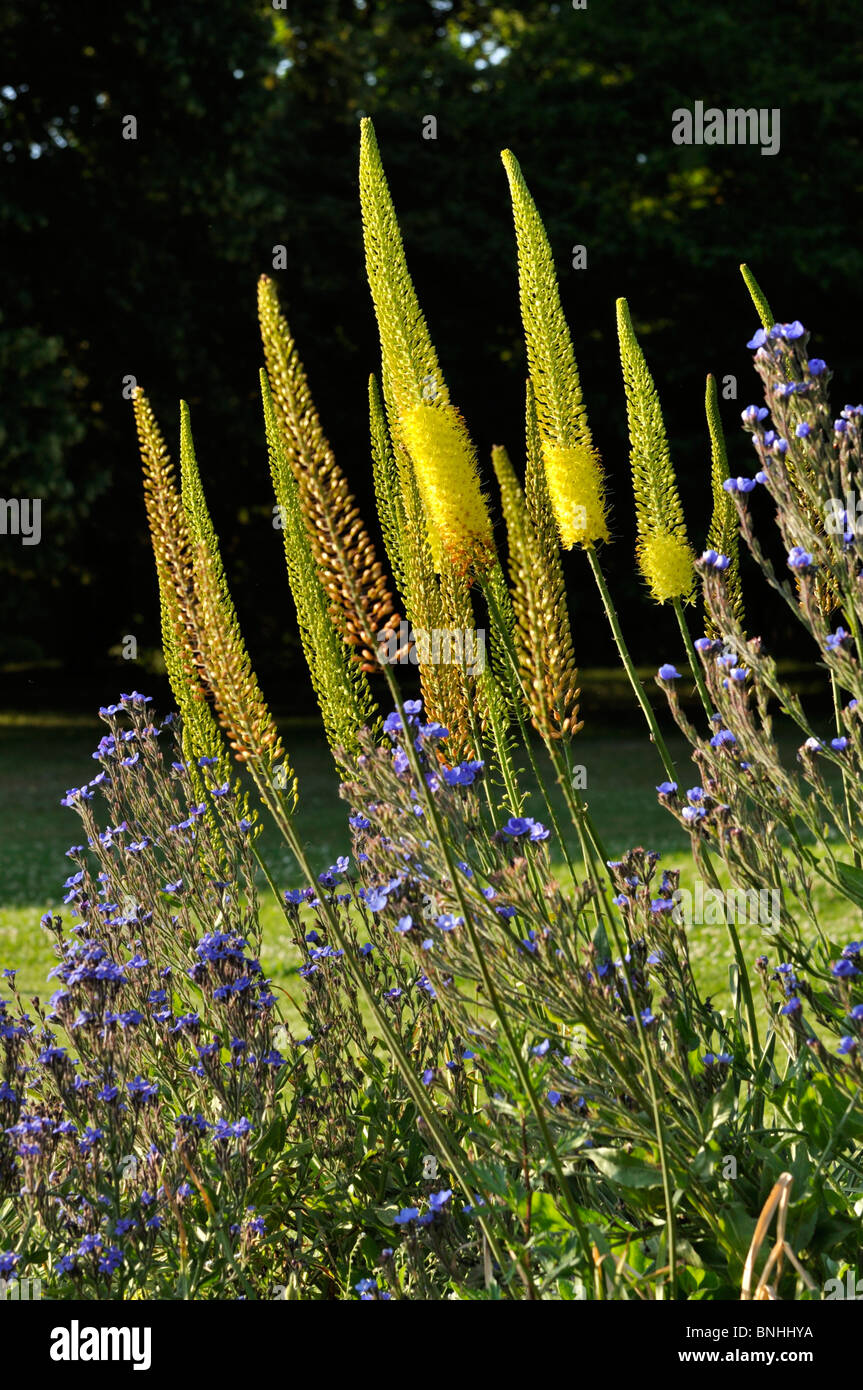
x: 765, y: 313
x: 663, y: 551
x: 205, y: 654
x: 390, y: 505
x: 541, y: 631
x: 723, y: 534
x: 341, y: 688
x: 410, y: 364
x: 202, y: 736
x: 561, y: 412
x: 535, y: 482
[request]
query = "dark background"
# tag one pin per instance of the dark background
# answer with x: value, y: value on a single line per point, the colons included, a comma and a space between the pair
x: 141, y: 257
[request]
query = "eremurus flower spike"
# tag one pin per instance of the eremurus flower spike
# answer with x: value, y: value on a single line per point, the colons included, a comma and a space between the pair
x: 341, y: 688
x: 205, y: 648
x: 424, y: 421
x: 572, y: 465
x: 351, y: 574
x: 542, y: 637
x: 663, y: 551
x: 446, y: 472
x: 723, y: 534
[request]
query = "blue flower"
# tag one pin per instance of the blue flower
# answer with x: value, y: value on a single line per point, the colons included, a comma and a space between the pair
x: 666, y: 788
x: 447, y: 922
x: 848, y: 1044
x: 669, y: 673
x: 376, y: 899
x: 554, y: 1098
x: 404, y: 923
x: 798, y: 558
x: 835, y: 639
x: 438, y: 1200
x: 843, y: 969
x: 787, y: 332
x: 541, y: 1048
x: 758, y: 339
x: 405, y: 1215
x: 517, y: 825
x: 815, y: 366
x: 715, y: 561
x: 725, y: 736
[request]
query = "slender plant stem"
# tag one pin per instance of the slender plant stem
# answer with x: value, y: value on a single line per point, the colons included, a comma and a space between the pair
x: 638, y: 688
x: 694, y: 663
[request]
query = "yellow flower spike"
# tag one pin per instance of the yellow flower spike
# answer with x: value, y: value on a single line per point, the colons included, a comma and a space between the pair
x: 446, y: 472
x: 577, y: 494
x: 573, y: 469
x: 666, y: 562
x: 663, y: 551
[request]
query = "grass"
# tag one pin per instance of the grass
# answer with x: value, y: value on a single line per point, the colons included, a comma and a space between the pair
x: 42, y: 755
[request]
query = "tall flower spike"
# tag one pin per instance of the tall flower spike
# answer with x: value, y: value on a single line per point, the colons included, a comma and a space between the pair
x: 446, y: 471
x: 430, y: 428
x: 765, y: 313
x: 573, y: 469
x: 341, y: 688
x: 723, y: 534
x: 204, y: 642
x: 543, y: 640
x: 663, y: 552
x: 172, y: 549
x: 241, y: 708
x: 352, y: 576
x: 411, y: 369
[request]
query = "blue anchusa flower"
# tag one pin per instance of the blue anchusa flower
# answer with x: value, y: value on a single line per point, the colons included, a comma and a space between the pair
x: 517, y: 826
x: 406, y: 1215
x: 463, y: 774
x: 667, y: 672
x: 799, y: 559
x: 713, y: 560
x: 844, y: 969
x: 723, y: 738
x: 848, y: 1044
x: 786, y: 332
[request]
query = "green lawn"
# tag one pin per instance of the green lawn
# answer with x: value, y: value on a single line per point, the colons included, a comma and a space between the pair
x: 41, y: 756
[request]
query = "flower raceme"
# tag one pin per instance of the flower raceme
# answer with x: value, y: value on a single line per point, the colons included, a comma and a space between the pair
x: 666, y: 563
x: 574, y: 480
x: 446, y: 473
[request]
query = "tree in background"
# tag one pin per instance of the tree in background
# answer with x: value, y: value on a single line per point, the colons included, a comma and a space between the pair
x: 140, y: 257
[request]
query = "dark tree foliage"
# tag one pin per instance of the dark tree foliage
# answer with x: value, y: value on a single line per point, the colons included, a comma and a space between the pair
x: 139, y: 257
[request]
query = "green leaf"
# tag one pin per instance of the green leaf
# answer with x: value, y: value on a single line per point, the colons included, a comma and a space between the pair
x: 625, y: 1169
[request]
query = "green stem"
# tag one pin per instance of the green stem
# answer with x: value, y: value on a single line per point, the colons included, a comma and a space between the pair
x: 694, y: 663
x: 638, y: 688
